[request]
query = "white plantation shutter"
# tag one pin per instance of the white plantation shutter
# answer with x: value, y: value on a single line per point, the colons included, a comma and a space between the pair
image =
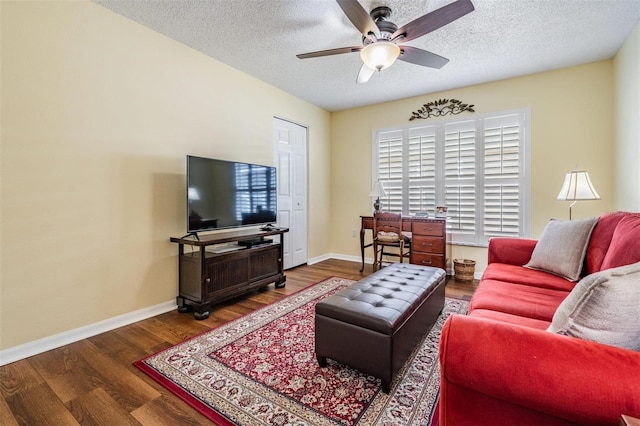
x: 391, y: 169
x: 460, y: 179
x: 503, y: 152
x: 421, y: 169
x: 476, y: 167
x: 502, y: 210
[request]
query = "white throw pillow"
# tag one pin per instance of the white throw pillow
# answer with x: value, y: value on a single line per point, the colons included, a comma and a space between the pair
x: 562, y: 247
x: 603, y: 307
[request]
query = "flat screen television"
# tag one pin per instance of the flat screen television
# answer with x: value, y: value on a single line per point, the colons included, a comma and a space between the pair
x: 229, y: 194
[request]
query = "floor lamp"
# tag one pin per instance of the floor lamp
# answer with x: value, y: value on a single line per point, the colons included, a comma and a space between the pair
x: 577, y: 187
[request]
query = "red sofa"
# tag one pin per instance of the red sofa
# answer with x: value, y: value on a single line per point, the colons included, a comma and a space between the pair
x: 499, y: 365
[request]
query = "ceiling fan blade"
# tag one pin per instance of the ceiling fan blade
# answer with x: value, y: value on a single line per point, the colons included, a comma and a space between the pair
x: 329, y: 52
x: 365, y: 74
x: 360, y: 18
x: 421, y: 57
x: 433, y: 20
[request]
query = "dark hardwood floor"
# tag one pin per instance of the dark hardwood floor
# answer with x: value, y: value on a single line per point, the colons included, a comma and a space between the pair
x: 93, y: 381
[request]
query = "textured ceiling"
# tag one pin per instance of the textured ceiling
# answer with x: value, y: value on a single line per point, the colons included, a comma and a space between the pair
x: 500, y: 39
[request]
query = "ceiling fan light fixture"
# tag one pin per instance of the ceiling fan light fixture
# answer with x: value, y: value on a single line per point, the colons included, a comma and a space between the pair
x: 380, y: 55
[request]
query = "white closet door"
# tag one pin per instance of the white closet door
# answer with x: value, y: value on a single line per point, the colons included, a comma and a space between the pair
x: 290, y: 151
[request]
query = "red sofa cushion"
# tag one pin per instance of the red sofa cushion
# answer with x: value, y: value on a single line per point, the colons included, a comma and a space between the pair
x: 510, y: 319
x: 601, y: 239
x: 625, y: 244
x: 517, y: 299
x: 513, y: 251
x: 521, y: 275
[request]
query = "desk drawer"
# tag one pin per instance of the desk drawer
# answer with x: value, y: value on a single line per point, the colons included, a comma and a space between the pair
x: 422, y: 244
x: 427, y: 259
x: 434, y: 229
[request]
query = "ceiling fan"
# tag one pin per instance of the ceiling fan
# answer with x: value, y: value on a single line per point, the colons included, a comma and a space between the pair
x: 380, y: 37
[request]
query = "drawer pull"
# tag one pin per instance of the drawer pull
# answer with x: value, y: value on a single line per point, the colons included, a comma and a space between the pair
x: 426, y: 262
x: 427, y: 244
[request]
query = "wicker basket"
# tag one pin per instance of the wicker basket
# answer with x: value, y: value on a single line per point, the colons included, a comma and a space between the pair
x: 464, y: 269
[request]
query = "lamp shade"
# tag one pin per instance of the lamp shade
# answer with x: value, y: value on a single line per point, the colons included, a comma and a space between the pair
x: 577, y: 186
x: 378, y: 190
x: 380, y: 55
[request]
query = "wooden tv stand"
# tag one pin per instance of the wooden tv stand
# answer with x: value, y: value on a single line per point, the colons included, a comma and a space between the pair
x: 221, y: 269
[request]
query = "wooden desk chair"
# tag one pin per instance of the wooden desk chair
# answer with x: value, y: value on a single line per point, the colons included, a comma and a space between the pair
x: 387, y: 233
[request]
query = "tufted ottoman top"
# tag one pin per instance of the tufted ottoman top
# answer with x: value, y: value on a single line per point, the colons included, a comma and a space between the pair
x: 383, y: 300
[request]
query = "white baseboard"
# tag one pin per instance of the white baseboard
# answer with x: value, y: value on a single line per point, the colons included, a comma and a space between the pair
x: 318, y: 259
x: 368, y: 261
x: 349, y: 258
x: 52, y: 342
x: 338, y: 256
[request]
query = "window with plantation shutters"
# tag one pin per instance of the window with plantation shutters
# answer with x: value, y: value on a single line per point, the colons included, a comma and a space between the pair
x: 476, y: 167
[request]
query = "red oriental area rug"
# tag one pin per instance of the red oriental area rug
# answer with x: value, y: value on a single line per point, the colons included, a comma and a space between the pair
x: 261, y: 369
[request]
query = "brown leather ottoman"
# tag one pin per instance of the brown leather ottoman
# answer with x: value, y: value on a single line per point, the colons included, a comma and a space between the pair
x: 374, y: 325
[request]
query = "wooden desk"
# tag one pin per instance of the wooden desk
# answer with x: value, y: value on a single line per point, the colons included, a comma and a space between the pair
x: 429, y: 239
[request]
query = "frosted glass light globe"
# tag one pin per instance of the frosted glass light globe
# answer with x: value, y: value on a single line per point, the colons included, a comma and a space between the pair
x: 380, y: 55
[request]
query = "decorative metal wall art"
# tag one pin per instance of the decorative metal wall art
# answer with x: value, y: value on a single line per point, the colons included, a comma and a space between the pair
x: 440, y: 108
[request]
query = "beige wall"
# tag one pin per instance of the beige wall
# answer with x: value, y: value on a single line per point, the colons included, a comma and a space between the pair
x: 98, y: 114
x: 571, y: 124
x: 627, y: 123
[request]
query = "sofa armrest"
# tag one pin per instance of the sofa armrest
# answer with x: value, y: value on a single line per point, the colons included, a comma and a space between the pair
x: 513, y: 251
x: 565, y: 377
